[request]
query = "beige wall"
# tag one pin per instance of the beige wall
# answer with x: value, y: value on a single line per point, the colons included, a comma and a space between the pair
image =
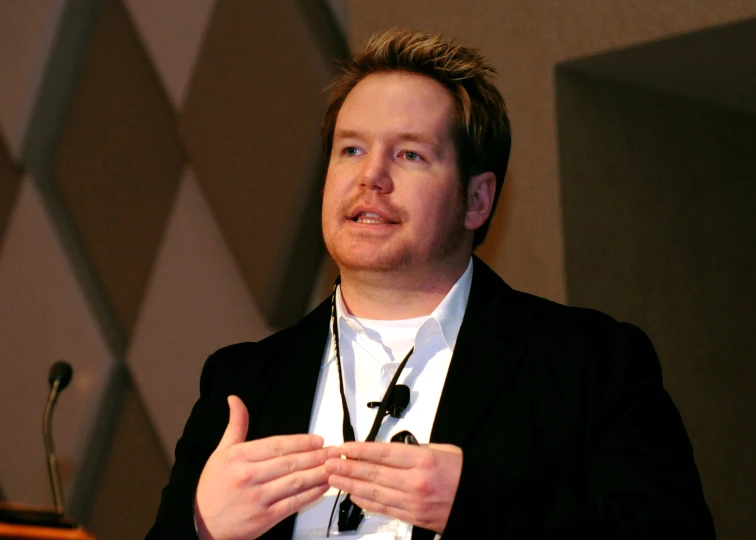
x: 525, y: 41
x: 658, y: 195
x: 648, y: 216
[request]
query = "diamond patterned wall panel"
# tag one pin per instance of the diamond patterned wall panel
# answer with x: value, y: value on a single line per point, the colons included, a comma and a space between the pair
x: 119, y: 160
x: 340, y: 10
x: 44, y: 317
x: 196, y: 303
x: 172, y: 31
x: 10, y: 177
x: 126, y: 499
x: 251, y: 124
x: 186, y: 262
x: 27, y: 30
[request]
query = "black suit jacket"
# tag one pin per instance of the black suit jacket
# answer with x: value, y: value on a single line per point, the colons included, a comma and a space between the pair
x: 560, y: 412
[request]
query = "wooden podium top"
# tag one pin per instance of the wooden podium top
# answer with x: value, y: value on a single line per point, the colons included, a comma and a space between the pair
x: 21, y: 522
x: 25, y: 532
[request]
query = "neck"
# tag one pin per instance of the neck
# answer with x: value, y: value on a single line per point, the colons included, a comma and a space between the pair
x: 396, y: 296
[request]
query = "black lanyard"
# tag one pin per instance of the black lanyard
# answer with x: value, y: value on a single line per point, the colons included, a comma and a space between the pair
x: 350, y: 515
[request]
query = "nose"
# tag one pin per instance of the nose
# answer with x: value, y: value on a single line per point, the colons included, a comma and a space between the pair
x: 376, y: 172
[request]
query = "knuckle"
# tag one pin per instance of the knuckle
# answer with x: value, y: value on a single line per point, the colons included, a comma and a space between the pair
x: 290, y: 464
x: 296, y: 482
x: 275, y: 447
x: 429, y: 461
x: 375, y: 494
x: 421, y: 507
x: 255, y: 496
x: 272, y: 513
x: 238, y: 476
x: 373, y: 474
x: 422, y: 486
x: 232, y: 454
x: 292, y: 504
x: 385, y: 451
x: 258, y: 475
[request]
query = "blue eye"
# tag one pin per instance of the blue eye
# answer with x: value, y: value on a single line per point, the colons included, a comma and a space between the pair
x: 350, y: 151
x: 412, y: 156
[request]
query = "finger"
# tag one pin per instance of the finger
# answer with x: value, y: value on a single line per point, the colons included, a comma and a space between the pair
x: 370, y: 472
x: 403, y: 456
x: 279, y: 445
x: 284, y: 465
x: 292, y: 484
x: 383, y: 509
x: 238, y: 423
x: 446, y: 448
x: 379, y: 495
x: 286, y: 507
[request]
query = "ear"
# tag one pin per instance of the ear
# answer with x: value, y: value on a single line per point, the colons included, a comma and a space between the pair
x: 480, y: 197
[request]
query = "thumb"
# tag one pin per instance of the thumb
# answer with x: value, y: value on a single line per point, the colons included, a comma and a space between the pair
x: 238, y: 422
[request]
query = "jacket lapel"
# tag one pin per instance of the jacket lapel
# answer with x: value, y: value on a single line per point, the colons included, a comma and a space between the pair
x: 292, y: 388
x: 297, y: 363
x: 489, y: 350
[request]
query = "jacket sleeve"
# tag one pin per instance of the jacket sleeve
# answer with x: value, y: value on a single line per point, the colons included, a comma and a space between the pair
x: 627, y: 470
x: 643, y: 481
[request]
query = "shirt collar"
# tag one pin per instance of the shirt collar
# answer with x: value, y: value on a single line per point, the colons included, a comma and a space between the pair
x: 449, y: 313
x: 446, y: 318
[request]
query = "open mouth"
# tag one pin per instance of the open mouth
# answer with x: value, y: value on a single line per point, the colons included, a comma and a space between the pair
x: 371, y: 218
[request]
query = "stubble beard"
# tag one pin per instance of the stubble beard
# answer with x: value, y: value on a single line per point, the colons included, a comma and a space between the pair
x: 350, y: 254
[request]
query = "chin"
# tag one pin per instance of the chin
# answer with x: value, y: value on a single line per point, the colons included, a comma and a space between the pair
x: 372, y: 264
x: 357, y: 260
x: 396, y: 256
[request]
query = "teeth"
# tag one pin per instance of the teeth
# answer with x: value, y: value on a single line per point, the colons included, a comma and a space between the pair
x: 369, y: 217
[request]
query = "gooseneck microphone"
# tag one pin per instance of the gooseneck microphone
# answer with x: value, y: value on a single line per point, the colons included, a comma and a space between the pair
x: 398, y: 401
x: 60, y: 375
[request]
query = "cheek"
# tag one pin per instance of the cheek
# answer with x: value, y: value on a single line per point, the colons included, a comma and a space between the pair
x: 431, y: 216
x: 330, y: 199
x: 440, y: 205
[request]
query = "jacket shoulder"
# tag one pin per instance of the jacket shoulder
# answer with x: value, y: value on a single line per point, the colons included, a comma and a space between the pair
x: 562, y: 316
x: 235, y: 361
x: 556, y: 334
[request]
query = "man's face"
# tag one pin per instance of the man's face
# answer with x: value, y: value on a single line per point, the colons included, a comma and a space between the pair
x: 393, y: 198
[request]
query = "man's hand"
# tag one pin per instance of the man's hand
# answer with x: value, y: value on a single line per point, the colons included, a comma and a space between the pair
x: 248, y: 487
x: 415, y: 484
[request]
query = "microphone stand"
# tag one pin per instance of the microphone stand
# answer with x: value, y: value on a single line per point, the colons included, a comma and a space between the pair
x: 52, y: 459
x: 22, y: 515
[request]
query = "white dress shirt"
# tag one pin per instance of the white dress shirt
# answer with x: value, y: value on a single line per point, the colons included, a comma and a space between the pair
x: 371, y: 351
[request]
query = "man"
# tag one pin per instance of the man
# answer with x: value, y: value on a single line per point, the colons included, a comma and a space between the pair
x: 535, y: 420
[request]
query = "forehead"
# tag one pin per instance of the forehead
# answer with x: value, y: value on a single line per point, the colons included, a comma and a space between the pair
x: 398, y: 102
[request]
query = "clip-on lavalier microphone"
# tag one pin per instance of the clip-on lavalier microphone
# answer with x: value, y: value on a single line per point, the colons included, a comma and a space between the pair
x: 398, y: 401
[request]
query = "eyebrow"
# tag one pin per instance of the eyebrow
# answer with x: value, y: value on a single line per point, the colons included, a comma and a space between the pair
x: 407, y: 136
x: 346, y: 134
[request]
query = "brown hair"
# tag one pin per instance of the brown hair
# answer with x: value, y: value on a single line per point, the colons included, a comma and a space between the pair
x: 480, y: 131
